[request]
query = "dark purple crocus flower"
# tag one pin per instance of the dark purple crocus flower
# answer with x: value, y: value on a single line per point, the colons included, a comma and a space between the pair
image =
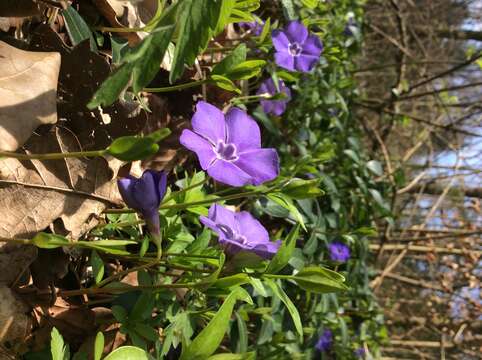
x: 145, y: 194
x: 325, y: 341
x: 296, y: 49
x: 276, y: 107
x: 339, y: 252
x: 255, y: 27
x: 240, y: 232
x: 229, y: 147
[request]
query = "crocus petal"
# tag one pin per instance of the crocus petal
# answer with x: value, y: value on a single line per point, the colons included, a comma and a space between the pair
x: 305, y: 63
x: 242, y: 130
x: 208, y: 121
x: 229, y: 174
x: 145, y: 193
x: 261, y: 164
x: 285, y: 60
x: 296, y: 32
x: 203, y: 148
x: 251, y: 228
x: 312, y: 46
x: 126, y: 187
x: 280, y: 41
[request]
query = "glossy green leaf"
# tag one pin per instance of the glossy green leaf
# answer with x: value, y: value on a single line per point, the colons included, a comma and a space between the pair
x: 77, y: 28
x: 224, y: 83
x: 236, y: 57
x: 375, y: 167
x: 310, y: 3
x: 302, y: 189
x: 242, y: 345
x: 209, y: 339
x: 225, y: 12
x: 231, y: 281
x: 319, y: 280
x: 229, y: 356
x: 246, y: 69
x: 289, y: 9
x: 288, y: 204
x: 49, y: 241
x: 283, y: 256
x: 131, y: 148
x: 295, y: 316
x: 127, y: 353
x: 196, y: 22
x: 58, y: 349
x: 98, y: 345
x: 97, y: 266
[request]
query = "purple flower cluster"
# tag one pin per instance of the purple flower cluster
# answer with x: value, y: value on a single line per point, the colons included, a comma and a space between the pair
x: 339, y: 252
x: 240, y: 232
x: 325, y: 342
x: 229, y: 148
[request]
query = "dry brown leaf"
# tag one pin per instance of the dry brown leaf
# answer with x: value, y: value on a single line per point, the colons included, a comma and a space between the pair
x: 39, y: 192
x: 28, y: 92
x: 19, y: 8
x: 14, y: 323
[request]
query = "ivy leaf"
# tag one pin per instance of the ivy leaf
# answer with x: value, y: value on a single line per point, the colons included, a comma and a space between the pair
x: 197, y: 20
x: 77, y: 28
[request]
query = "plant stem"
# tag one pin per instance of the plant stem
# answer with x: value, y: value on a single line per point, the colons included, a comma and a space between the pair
x: 52, y: 156
x: 17, y: 241
x: 177, y: 87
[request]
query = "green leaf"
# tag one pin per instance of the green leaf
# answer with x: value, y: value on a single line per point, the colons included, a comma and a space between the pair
x: 97, y: 266
x: 310, y: 3
x: 246, y: 69
x: 153, y: 49
x: 146, y: 331
x: 49, y: 241
x: 302, y: 189
x: 232, y: 281
x: 196, y: 20
x: 248, y: 5
x: 229, y: 356
x: 77, y: 28
x: 319, y: 280
x: 209, y: 280
x: 289, y: 9
x: 265, y: 31
x: 287, y: 203
x: 59, y: 350
x: 375, y: 167
x: 224, y: 83
x: 242, y: 345
x: 99, y: 346
x: 227, y: 7
x: 141, y: 64
x: 279, y: 292
x: 131, y: 148
x: 237, y: 56
x: 209, y: 339
x: 119, y: 313
x: 127, y: 353
x: 283, y: 256
x: 111, y: 88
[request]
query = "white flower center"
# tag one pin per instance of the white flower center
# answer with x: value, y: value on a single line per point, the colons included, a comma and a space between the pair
x: 226, y: 151
x: 294, y: 49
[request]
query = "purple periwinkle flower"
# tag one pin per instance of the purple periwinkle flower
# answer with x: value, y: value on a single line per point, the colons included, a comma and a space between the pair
x: 325, y: 341
x: 255, y: 27
x: 145, y: 194
x: 296, y: 49
x: 240, y: 231
x: 360, y: 353
x: 276, y: 107
x: 339, y: 252
x: 229, y: 147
